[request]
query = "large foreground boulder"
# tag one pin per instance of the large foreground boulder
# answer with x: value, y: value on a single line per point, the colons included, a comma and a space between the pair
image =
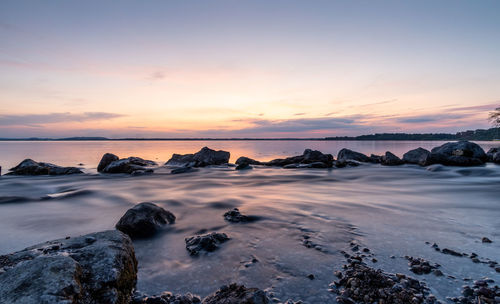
x: 94, y: 268
x: 132, y: 165
x: 31, y: 167
x: 390, y: 159
x: 462, y: 153
x: 346, y: 154
x: 237, y: 294
x: 204, y: 157
x: 419, y: 156
x: 308, y: 159
x: 144, y: 219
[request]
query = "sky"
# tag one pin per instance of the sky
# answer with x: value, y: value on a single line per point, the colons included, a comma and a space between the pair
x: 254, y: 68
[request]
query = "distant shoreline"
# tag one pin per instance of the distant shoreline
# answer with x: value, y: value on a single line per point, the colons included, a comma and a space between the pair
x: 223, y: 139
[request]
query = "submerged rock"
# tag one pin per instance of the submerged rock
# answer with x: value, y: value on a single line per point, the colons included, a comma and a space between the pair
x: 182, y: 170
x: 205, y: 242
x: 106, y: 159
x: 31, y: 167
x: 144, y: 219
x: 419, y: 156
x: 166, y: 298
x: 204, y: 157
x: 308, y: 159
x: 236, y: 217
x: 237, y: 294
x: 346, y: 154
x: 462, y: 153
x: 130, y: 165
x: 390, y: 159
x: 94, y: 268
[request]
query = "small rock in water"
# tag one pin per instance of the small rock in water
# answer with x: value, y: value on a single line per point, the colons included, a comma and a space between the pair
x: 451, y: 252
x: 182, y: 170
x: 421, y: 266
x: 486, y: 240
x: 144, y: 220
x: 310, y: 276
x: 236, y: 217
x: 205, y: 242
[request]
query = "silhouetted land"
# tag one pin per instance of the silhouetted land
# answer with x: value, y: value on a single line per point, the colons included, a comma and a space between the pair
x: 479, y: 134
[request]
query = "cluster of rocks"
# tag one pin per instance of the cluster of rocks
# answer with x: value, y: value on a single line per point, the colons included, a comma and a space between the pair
x: 31, y: 167
x: 359, y: 283
x: 473, y: 256
x: 204, y: 157
x: 94, y: 268
x: 421, y: 266
x: 479, y: 293
x: 359, y: 253
x: 111, y: 163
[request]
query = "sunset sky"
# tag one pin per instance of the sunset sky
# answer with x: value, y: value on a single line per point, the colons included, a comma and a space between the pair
x: 246, y: 68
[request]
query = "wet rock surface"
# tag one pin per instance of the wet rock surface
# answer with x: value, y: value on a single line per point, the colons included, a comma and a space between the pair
x: 493, y: 155
x: 422, y: 266
x: 144, y: 219
x: 94, y: 268
x: 390, y: 159
x: 309, y: 159
x: 204, y: 157
x: 31, y: 167
x: 206, y: 242
x: 462, y: 153
x: 359, y: 283
x: 237, y: 294
x: 130, y: 165
x: 419, y: 156
x: 481, y: 292
x: 165, y: 298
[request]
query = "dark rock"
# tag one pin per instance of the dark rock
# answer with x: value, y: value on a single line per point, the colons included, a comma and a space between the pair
x: 376, y: 159
x: 106, y: 159
x: 486, y: 240
x: 390, y: 159
x: 451, y: 252
x: 205, y: 242
x: 309, y: 159
x: 129, y: 165
x: 493, y: 155
x: 71, y: 271
x: 243, y: 166
x: 310, y: 276
x: 31, y: 167
x: 346, y: 154
x: 204, y: 157
x: 246, y: 160
x: 421, y: 266
x: 346, y: 163
x: 419, y: 156
x: 182, y: 170
x: 236, y: 217
x: 462, y: 153
x: 144, y: 220
x: 237, y: 294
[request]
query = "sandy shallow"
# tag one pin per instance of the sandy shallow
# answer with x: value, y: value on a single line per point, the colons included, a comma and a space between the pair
x: 393, y: 211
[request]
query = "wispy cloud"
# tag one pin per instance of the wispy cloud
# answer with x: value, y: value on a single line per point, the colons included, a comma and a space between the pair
x: 50, y: 118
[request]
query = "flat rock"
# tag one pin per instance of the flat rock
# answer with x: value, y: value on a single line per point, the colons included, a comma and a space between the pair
x: 237, y: 294
x: 308, y: 159
x: 94, y: 268
x: 462, y: 153
x: 31, y: 167
x: 419, y: 156
x: 204, y: 157
x: 205, y: 242
x: 144, y: 219
x: 130, y: 165
x: 390, y: 159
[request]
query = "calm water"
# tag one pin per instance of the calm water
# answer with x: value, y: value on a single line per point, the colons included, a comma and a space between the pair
x: 89, y: 153
x: 393, y: 211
